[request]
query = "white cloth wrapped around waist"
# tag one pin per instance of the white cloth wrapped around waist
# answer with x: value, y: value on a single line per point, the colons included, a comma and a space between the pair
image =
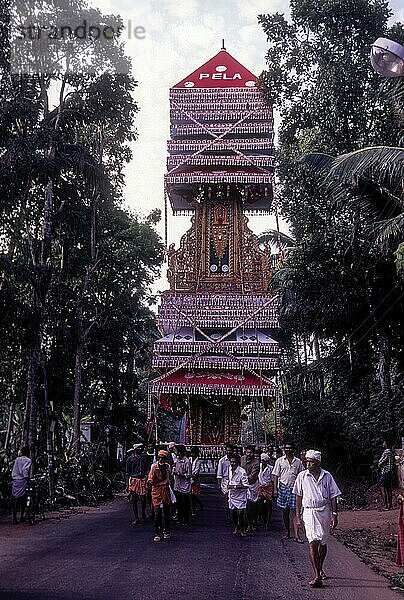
x: 317, y: 523
x: 265, y: 475
x: 238, y: 499
x: 317, y: 503
x: 19, y: 488
x: 237, y: 494
x: 253, y: 490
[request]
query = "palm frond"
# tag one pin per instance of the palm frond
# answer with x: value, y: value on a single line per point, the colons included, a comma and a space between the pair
x: 318, y: 162
x: 390, y: 229
x: 378, y: 163
x: 276, y: 238
x: 393, y: 89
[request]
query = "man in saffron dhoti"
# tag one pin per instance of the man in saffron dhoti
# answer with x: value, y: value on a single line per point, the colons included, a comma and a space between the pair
x: 20, y: 477
x: 237, y: 489
x: 316, y: 493
x: 136, y: 472
x: 285, y: 472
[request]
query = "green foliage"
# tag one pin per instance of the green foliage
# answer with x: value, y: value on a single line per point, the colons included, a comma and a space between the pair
x: 75, y: 265
x: 342, y: 303
x: 345, y: 419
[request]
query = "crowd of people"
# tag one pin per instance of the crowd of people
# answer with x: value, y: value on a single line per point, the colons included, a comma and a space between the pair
x: 168, y: 480
x: 163, y: 484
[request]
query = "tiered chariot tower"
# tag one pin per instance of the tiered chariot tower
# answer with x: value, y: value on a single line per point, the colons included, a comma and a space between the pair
x: 218, y: 350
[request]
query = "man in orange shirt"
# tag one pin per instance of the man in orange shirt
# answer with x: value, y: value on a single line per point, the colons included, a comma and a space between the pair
x: 158, y: 481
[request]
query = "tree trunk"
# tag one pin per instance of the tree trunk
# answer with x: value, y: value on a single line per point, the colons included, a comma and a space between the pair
x: 130, y: 365
x: 384, y: 376
x: 31, y: 401
x: 384, y: 362
x: 350, y: 353
x: 304, y: 339
x: 316, y: 348
x: 298, y: 350
x: 78, y: 372
x: 41, y: 285
x: 320, y: 380
x: 9, y: 430
x: 82, y: 333
x: 48, y: 434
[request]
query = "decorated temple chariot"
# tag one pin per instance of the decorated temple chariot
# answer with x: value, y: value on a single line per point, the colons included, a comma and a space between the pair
x: 218, y: 352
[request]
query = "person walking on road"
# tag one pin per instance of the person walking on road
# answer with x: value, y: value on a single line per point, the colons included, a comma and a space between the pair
x: 316, y: 493
x: 252, y: 467
x: 285, y: 471
x: 137, y: 471
x: 266, y: 489
x: 182, y: 484
x: 196, y: 465
x: 223, y: 474
x: 159, y: 483
x: 386, y: 475
x: 237, y: 494
x: 20, y: 478
x: 171, y: 460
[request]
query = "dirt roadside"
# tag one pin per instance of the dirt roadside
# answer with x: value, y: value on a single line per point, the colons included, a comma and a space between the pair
x: 371, y: 533
x: 9, y: 530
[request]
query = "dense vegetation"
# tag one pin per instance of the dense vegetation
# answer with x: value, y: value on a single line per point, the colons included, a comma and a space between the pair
x: 75, y: 265
x: 342, y: 311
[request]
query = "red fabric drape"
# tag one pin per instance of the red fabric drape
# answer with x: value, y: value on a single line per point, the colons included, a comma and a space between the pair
x: 216, y: 378
x: 400, y: 537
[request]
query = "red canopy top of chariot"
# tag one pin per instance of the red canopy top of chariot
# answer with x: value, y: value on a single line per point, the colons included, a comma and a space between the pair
x: 221, y: 71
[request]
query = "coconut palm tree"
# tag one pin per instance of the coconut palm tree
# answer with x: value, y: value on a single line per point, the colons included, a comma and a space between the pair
x: 373, y: 180
x: 274, y: 237
x: 372, y: 176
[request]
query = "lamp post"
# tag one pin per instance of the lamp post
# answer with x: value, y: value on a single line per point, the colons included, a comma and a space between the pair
x: 387, y: 58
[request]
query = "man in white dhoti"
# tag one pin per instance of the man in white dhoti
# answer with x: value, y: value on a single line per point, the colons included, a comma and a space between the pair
x: 316, y: 493
x: 223, y: 474
x: 20, y: 478
x: 251, y: 466
x: 266, y: 489
x: 237, y: 494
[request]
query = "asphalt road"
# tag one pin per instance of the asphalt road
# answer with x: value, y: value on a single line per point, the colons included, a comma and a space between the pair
x: 100, y: 556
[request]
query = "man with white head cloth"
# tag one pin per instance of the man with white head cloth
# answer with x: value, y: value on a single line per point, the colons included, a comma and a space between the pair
x: 316, y: 493
x: 266, y: 489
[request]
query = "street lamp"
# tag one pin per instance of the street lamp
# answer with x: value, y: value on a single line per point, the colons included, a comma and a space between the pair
x: 387, y: 58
